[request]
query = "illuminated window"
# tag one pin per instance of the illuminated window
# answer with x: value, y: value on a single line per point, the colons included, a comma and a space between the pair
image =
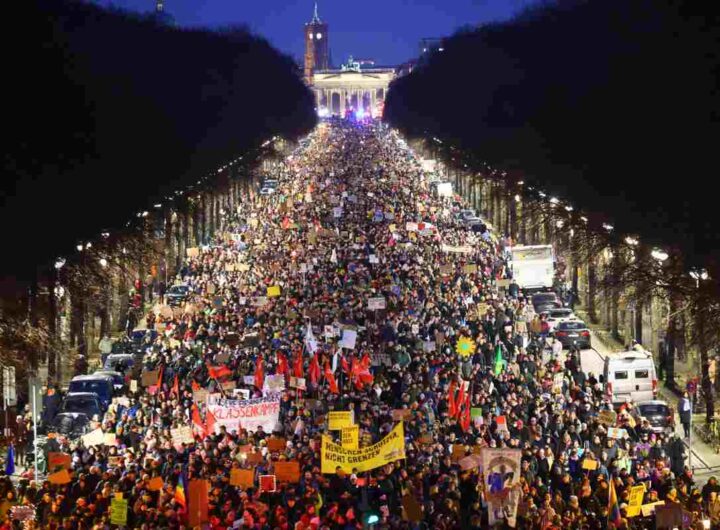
x: 311, y: 36
x: 319, y: 36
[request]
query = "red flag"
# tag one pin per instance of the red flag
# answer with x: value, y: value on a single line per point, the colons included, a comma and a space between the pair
x: 345, y: 365
x: 331, y: 379
x: 154, y: 389
x: 364, y: 374
x: 452, y: 406
x: 209, y: 423
x: 176, y: 386
x: 314, y: 370
x: 465, y: 419
x: 282, y: 366
x: 259, y: 372
x: 217, y: 372
x: 355, y: 370
x: 298, y: 367
x: 195, y: 386
x: 197, y: 420
x: 198, y: 503
x: 460, y: 400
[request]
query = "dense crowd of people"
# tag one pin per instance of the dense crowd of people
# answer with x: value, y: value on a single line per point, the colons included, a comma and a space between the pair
x: 354, y: 217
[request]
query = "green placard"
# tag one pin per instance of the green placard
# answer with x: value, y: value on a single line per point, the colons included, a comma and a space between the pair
x: 475, y: 412
x: 118, y: 512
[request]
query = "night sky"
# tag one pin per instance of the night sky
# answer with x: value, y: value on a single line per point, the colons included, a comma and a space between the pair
x: 388, y: 31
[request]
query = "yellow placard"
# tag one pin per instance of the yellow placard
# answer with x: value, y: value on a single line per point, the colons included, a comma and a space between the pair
x: 635, y: 500
x: 350, y: 437
x: 61, y: 477
x: 339, y: 419
x: 389, y: 449
x: 118, y: 511
x: 590, y: 465
x: 273, y: 290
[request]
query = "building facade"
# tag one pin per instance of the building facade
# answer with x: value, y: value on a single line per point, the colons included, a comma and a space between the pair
x: 317, y: 47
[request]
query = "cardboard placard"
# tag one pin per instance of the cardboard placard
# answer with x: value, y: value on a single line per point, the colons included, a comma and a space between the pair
x: 339, y: 419
x: 616, y: 433
x: 242, y: 478
x: 150, y: 378
x: 649, y: 509
x: 470, y: 268
x: 96, y: 437
x: 589, y: 465
x: 276, y: 445
x: 228, y: 385
x: 192, y: 252
x: 115, y: 461
x: 253, y: 458
x: 297, y: 382
x: 635, y: 500
x: 133, y: 385
x: 273, y: 291
x: 61, y: 477
x: 200, y: 396
x: 56, y: 460
x: 155, y: 484
x: 182, y: 435
x: 350, y: 437
x: 109, y: 439
x: 376, y: 303
x: 469, y: 462
x: 118, y: 511
x: 288, y: 471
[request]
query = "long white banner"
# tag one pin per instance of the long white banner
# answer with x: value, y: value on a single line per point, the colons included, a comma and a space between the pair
x: 248, y: 414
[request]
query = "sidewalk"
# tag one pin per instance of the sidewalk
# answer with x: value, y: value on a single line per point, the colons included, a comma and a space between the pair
x: 703, y: 458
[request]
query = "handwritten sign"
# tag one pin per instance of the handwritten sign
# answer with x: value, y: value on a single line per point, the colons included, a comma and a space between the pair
x: 339, y: 419
x: 589, y: 465
x: 61, y: 477
x: 96, y: 437
x: 56, y: 460
x: 268, y: 483
x: 155, y: 484
x: 297, y: 382
x: 616, y: 433
x: 242, y: 478
x: 288, y: 471
x: 276, y: 444
x: 273, y: 291
x: 607, y: 417
x: 376, y: 303
x: 350, y: 437
x: 118, y: 511
x: 182, y: 435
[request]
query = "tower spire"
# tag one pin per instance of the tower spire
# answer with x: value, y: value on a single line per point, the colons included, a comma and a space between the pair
x: 316, y: 18
x: 159, y: 7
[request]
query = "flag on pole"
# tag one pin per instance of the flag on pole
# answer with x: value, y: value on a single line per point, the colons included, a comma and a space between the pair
x: 331, y: 379
x: 259, y: 372
x: 181, y: 491
x: 314, y: 370
x: 499, y: 361
x: 460, y: 401
x: 209, y: 423
x: 310, y: 341
x: 282, y: 366
x: 452, y: 405
x: 176, y: 386
x: 10, y: 461
x: 333, y: 256
x: 614, y: 517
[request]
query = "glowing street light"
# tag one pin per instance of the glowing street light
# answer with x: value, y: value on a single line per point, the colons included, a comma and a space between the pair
x: 79, y: 248
x: 59, y: 263
x: 569, y: 208
x: 517, y: 198
x: 103, y: 262
x: 659, y: 255
x: 698, y: 275
x: 631, y: 241
x: 608, y: 227
x: 554, y: 200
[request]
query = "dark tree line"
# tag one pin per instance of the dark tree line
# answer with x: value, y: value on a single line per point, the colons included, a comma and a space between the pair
x: 611, y: 104
x: 106, y: 112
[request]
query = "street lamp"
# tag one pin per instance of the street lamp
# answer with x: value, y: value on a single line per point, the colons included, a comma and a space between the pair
x: 659, y: 254
x: 554, y: 200
x: 103, y: 262
x: 608, y: 227
x: 631, y: 241
x: 59, y: 263
x: 517, y: 198
x: 79, y: 248
x: 568, y: 208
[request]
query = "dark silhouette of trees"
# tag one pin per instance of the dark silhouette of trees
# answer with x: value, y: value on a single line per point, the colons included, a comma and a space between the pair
x: 611, y: 104
x: 106, y: 113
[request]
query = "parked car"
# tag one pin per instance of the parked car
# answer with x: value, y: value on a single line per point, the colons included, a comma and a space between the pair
x: 177, y: 294
x: 546, y: 301
x: 267, y: 191
x: 83, y: 402
x: 119, y: 362
x: 562, y: 314
x: 659, y: 414
x: 100, y: 385
x: 117, y: 377
x: 573, y: 332
x: 142, y: 336
x: 70, y: 424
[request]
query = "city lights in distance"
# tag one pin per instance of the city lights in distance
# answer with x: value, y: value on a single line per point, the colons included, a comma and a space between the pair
x: 659, y: 254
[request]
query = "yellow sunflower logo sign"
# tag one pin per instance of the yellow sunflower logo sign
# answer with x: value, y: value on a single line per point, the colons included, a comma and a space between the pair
x: 465, y: 347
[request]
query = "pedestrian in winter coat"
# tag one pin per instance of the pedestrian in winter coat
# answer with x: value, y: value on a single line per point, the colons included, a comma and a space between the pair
x: 685, y: 409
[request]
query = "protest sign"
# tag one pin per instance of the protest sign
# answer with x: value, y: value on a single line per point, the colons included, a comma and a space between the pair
x: 118, y: 511
x: 59, y: 477
x: 649, y: 509
x: 389, y: 449
x: 96, y: 437
x: 457, y: 249
x: 23, y: 513
x: 373, y: 259
x: 458, y: 452
x: 150, y: 377
x: 616, y: 433
x: 349, y: 337
x: 155, y: 484
x: 469, y: 462
x: 297, y: 382
x: 501, y: 473
x: 56, y: 460
x: 276, y: 445
x: 133, y: 385
x: 200, y: 396
x: 273, y: 291
x: 350, y: 437
x: 268, y: 483
x: 253, y: 458
x: 589, y: 465
x: 243, y: 478
x: 182, y: 435
x: 635, y: 500
x: 274, y: 384
x: 248, y: 414
x: 339, y: 419
x: 287, y: 471
x: 109, y: 439
x: 192, y: 252
x: 470, y: 268
x: 377, y: 303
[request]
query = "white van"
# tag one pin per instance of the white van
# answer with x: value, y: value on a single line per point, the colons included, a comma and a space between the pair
x: 630, y: 375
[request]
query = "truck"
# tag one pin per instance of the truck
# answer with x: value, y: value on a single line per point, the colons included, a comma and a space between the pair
x: 533, y: 266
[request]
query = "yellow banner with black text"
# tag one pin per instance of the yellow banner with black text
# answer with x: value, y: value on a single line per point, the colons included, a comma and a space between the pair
x: 387, y: 450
